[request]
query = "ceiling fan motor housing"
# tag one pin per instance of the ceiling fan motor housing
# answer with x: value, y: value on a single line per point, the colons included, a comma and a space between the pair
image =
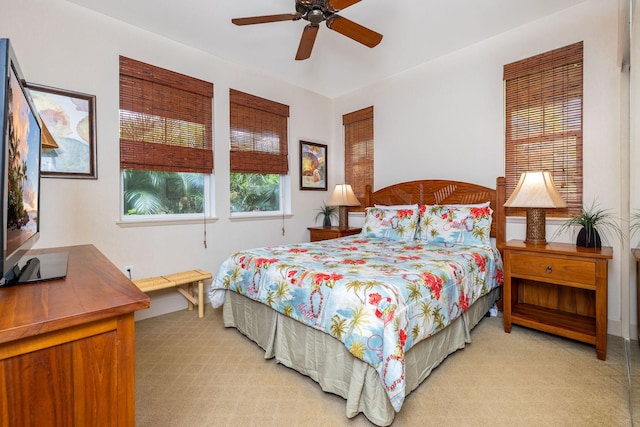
x: 315, y: 11
x: 315, y: 16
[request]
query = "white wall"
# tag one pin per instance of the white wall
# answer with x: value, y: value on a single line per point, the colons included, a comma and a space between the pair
x: 63, y: 45
x: 445, y: 118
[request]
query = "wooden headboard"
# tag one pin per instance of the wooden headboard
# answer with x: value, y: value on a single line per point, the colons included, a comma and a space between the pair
x: 444, y: 192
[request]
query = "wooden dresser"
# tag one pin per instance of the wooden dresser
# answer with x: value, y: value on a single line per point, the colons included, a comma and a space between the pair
x: 67, y: 346
x: 558, y: 288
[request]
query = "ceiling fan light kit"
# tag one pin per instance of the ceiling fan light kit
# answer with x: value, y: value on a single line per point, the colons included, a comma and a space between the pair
x: 315, y: 12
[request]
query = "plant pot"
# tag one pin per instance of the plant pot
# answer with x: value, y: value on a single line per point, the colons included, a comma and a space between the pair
x: 589, y: 238
x: 327, y: 222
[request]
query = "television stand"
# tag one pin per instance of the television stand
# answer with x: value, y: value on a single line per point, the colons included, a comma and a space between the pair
x: 41, y: 267
x: 37, y: 268
x: 67, y: 346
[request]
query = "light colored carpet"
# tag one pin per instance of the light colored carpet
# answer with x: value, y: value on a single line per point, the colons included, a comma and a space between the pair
x: 195, y: 372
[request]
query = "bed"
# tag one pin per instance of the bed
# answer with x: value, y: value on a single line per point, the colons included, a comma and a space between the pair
x: 369, y: 316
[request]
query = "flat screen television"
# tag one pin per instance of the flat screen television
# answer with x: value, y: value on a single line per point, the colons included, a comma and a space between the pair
x: 20, y: 145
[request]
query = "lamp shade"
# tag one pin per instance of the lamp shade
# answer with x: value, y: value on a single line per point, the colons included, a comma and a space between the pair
x: 343, y: 195
x: 536, y: 190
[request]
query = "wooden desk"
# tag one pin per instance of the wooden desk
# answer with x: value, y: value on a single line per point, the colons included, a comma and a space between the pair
x: 558, y: 288
x: 67, y: 346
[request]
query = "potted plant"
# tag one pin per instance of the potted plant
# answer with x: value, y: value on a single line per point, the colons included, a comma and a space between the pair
x: 594, y: 223
x: 327, y: 212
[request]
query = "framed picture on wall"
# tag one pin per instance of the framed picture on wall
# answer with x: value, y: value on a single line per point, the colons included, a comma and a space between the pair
x: 69, y: 132
x: 313, y: 166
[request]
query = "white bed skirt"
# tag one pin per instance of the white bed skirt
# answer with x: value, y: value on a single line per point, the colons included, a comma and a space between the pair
x: 327, y: 361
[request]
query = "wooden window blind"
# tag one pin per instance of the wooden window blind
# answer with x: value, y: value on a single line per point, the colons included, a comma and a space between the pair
x: 166, y: 121
x: 543, y: 107
x: 259, y: 140
x: 358, y: 151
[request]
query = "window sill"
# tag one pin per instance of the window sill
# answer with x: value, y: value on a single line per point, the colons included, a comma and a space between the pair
x: 254, y: 217
x: 163, y: 222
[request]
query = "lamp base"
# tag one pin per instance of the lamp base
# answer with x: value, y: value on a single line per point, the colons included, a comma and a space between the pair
x: 536, y: 226
x: 343, y: 217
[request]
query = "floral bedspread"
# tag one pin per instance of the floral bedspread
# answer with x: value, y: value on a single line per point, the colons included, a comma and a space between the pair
x: 378, y: 296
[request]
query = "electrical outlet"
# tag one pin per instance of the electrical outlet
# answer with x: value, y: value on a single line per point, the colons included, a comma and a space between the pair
x: 128, y: 271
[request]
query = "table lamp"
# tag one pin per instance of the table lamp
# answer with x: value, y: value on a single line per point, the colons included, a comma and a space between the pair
x: 536, y: 192
x: 343, y: 197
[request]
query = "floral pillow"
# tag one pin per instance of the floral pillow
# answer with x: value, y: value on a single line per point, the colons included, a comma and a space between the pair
x: 389, y: 223
x: 456, y: 224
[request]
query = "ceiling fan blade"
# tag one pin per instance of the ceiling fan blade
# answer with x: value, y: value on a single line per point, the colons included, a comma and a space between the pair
x: 267, y: 18
x: 306, y: 41
x: 354, y: 31
x: 340, y: 4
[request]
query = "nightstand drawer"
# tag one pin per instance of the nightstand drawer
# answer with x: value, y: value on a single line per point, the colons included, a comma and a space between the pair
x: 553, y: 269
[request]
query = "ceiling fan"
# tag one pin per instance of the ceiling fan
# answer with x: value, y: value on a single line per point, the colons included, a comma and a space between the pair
x: 317, y: 11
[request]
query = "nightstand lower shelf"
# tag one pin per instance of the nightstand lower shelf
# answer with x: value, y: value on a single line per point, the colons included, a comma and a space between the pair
x: 568, y: 325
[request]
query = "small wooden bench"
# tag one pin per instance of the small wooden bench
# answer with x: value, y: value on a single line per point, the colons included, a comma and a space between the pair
x: 186, y: 279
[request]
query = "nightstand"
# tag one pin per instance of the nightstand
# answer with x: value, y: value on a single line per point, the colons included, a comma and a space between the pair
x: 325, y: 233
x: 558, y: 288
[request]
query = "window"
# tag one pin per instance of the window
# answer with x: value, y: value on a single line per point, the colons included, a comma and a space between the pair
x: 543, y: 108
x: 358, y: 151
x: 259, y: 153
x: 166, y: 141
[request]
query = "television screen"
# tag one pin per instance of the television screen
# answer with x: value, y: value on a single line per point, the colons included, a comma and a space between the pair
x: 23, y: 162
x: 20, y: 146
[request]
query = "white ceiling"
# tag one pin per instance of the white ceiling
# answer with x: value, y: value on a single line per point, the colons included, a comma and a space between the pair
x: 415, y: 31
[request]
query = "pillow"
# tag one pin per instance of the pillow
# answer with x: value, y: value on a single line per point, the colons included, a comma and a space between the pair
x: 451, y: 224
x: 389, y: 223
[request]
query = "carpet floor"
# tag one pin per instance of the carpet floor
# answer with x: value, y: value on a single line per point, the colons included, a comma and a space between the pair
x: 196, y: 372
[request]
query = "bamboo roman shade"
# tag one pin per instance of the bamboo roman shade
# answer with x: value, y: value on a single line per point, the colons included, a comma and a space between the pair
x: 358, y: 151
x: 259, y: 141
x: 543, y: 107
x: 166, y: 120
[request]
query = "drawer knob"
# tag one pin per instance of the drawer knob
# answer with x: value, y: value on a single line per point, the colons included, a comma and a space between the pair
x: 549, y: 269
